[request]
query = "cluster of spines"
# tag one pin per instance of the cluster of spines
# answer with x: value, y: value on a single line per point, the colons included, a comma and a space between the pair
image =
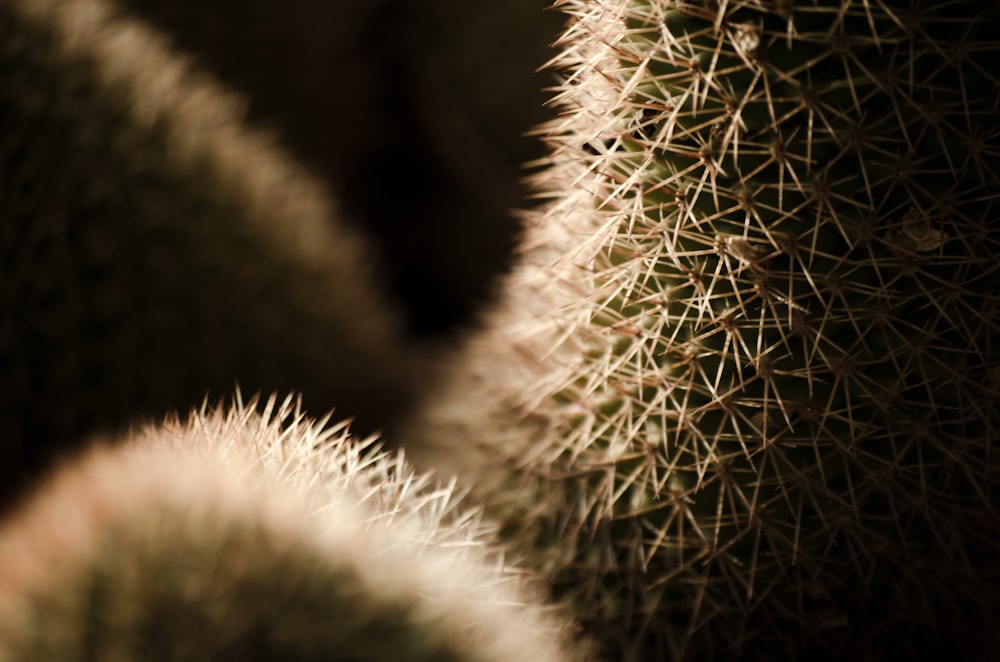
x: 761, y: 370
x: 254, y: 536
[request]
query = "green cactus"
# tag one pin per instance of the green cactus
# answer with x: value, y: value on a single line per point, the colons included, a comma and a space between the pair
x: 743, y: 392
x: 249, y: 537
x: 153, y: 249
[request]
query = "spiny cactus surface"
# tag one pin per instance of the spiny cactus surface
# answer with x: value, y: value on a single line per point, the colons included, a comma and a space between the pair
x: 153, y: 249
x: 758, y: 409
x: 250, y: 537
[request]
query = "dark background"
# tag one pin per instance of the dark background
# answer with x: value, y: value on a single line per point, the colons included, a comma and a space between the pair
x: 414, y: 112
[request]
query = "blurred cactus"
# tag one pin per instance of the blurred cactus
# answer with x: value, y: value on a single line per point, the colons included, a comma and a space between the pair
x: 152, y: 249
x: 742, y: 396
x: 240, y: 536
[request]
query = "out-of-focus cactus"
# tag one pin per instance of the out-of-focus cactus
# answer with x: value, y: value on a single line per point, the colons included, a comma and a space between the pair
x: 153, y: 249
x: 258, y: 537
x: 742, y: 398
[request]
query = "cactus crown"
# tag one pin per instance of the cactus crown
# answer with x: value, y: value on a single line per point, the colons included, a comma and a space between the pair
x: 242, y: 536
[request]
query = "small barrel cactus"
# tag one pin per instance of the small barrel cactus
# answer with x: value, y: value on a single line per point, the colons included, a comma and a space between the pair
x: 249, y: 537
x: 153, y: 249
x: 748, y: 374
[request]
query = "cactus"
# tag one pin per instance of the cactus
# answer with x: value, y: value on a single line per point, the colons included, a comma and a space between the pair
x: 153, y: 249
x: 253, y: 537
x: 741, y: 399
x: 412, y: 110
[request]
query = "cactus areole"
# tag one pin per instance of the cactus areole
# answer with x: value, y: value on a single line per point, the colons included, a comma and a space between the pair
x: 783, y: 377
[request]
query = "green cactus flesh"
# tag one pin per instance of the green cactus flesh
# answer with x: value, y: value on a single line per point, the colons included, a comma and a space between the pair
x: 246, y: 537
x: 767, y: 423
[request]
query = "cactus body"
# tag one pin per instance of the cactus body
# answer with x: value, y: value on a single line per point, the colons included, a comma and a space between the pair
x: 757, y: 415
x: 153, y: 249
x: 245, y: 537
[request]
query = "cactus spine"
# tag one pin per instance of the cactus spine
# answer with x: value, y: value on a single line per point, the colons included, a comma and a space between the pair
x: 253, y: 537
x: 758, y: 412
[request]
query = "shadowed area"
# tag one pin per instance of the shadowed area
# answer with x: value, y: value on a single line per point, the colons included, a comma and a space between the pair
x: 414, y: 111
